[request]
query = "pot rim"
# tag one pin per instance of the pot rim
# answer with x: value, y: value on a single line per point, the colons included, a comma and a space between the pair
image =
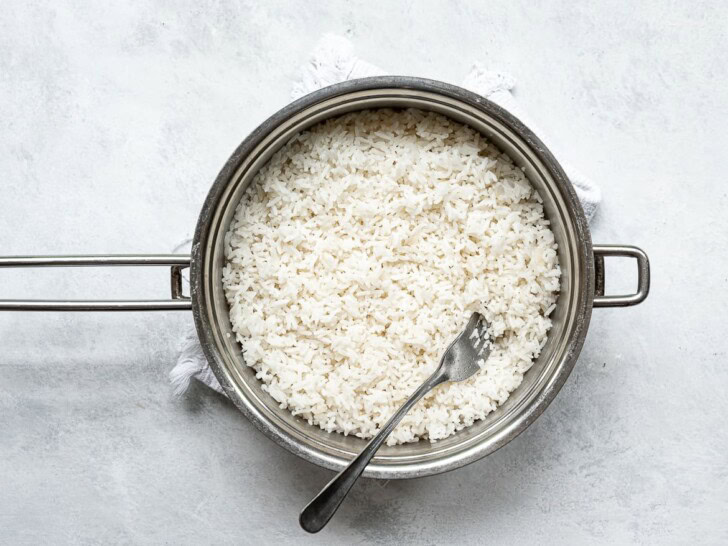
x: 583, y: 248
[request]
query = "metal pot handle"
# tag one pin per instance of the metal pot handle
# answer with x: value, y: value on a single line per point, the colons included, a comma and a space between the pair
x: 178, y: 262
x: 643, y: 275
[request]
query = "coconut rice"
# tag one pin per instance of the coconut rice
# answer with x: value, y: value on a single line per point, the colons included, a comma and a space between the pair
x: 358, y: 254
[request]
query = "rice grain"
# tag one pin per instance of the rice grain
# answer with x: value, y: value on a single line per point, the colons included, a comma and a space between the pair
x: 359, y: 252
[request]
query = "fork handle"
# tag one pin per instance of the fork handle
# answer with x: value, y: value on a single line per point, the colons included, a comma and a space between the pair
x: 318, y: 512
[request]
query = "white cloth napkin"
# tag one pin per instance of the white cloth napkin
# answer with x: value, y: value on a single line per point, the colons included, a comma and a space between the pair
x: 333, y: 60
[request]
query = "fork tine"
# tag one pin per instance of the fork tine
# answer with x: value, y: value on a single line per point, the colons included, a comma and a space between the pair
x: 475, y: 318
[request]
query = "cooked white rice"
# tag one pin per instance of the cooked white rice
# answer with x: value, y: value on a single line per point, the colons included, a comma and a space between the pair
x: 360, y: 251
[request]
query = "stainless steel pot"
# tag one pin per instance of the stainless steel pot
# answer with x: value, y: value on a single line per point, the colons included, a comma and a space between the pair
x: 582, y: 278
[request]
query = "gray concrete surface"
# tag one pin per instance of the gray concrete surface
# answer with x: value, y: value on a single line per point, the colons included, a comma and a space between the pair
x: 113, y: 121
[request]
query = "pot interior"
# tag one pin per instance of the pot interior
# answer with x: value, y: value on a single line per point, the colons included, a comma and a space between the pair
x: 540, y: 383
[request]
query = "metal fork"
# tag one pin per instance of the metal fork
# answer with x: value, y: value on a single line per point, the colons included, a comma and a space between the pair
x: 462, y: 358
